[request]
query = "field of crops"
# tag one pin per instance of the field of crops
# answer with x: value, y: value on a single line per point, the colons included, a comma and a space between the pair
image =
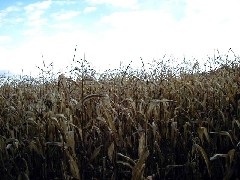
x: 160, y: 123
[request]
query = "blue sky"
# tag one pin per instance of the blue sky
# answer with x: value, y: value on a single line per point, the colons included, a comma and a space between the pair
x: 110, y: 31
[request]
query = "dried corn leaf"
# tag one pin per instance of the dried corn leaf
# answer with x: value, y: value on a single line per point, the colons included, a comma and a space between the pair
x: 126, y: 158
x: 152, y: 105
x: 2, y: 143
x: 62, y: 83
x: 61, y: 116
x: 141, y: 145
x: 186, y: 130
x: 125, y: 164
x: 111, y: 151
x: 108, y: 112
x: 73, y: 166
x: 154, y: 129
x: 231, y: 155
x: 110, y: 122
x: 78, y: 130
x: 63, y: 125
x: 174, y: 131
x: 70, y: 139
x: 224, y: 133
x: 236, y: 122
x: 59, y: 144
x: 141, y: 107
x: 138, y: 169
x: 34, y: 147
x: 92, y: 96
x: 204, y: 155
x: 204, y: 101
x: 23, y: 176
x: 216, y: 156
x: 31, y: 121
x: 96, y: 152
x: 161, y: 100
x: 222, y: 114
x: 202, y: 131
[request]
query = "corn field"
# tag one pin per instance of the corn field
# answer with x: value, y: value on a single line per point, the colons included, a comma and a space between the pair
x: 125, y: 124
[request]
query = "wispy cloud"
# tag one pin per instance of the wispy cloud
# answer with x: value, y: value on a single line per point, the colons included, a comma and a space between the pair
x: 18, y: 20
x: 10, y: 15
x: 32, y: 32
x: 37, y: 23
x: 62, y: 26
x: 5, y: 12
x: 2, y: 16
x: 12, y: 9
x: 65, y: 15
x: 36, y: 10
x: 5, y: 38
x: 212, y: 24
x: 64, y: 2
x: 89, y: 9
x: 117, y: 3
x: 38, y: 6
x: 34, y: 17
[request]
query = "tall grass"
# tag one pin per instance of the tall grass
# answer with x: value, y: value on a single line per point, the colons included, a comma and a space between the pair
x: 156, y: 123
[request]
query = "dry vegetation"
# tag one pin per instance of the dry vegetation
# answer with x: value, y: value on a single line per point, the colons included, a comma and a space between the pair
x: 161, y: 123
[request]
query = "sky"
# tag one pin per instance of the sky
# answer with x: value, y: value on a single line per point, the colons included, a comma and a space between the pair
x: 112, y: 31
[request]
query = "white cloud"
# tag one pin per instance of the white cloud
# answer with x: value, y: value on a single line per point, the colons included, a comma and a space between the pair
x: 58, y: 49
x: 89, y: 9
x: 25, y: 57
x: 4, y: 53
x: 2, y: 17
x: 6, y: 16
x: 126, y: 36
x: 37, y: 23
x: 18, y: 20
x: 212, y: 12
x: 13, y: 60
x: 36, y: 15
x: 8, y: 10
x: 133, y: 4
x: 38, y: 6
x: 12, y: 9
x: 62, y: 26
x: 64, y: 2
x: 5, y: 38
x: 153, y: 33
x: 211, y: 25
x: 66, y: 15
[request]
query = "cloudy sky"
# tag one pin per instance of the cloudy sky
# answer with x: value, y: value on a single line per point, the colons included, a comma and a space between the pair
x: 110, y: 31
